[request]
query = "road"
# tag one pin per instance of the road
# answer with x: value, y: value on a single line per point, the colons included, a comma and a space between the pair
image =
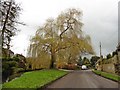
x: 83, y: 79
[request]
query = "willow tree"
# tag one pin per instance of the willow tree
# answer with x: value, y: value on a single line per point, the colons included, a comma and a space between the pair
x: 61, y: 38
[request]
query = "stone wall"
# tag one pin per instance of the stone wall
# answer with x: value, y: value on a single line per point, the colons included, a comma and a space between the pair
x: 119, y: 57
x: 111, y: 65
x: 110, y: 68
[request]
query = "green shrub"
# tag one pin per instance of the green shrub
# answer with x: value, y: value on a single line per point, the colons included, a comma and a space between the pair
x: 12, y: 64
x: 6, y: 59
x: 10, y: 59
x: 15, y: 59
x: 17, y: 70
x: 9, y: 67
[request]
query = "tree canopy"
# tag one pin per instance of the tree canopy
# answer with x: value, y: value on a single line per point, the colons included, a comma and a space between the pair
x: 93, y: 60
x: 60, y: 40
x: 9, y: 13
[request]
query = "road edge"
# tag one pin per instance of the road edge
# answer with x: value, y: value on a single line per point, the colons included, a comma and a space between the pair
x: 106, y: 77
x: 49, y: 83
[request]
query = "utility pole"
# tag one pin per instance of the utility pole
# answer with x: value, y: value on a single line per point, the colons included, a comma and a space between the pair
x: 100, y: 50
x: 101, y: 57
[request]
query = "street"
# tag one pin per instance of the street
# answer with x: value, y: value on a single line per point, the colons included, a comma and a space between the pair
x: 83, y: 79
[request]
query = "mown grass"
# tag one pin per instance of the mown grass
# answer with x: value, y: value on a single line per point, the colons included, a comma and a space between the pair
x: 107, y: 75
x: 34, y: 79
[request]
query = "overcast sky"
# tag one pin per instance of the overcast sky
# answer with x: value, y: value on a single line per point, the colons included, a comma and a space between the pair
x: 100, y: 18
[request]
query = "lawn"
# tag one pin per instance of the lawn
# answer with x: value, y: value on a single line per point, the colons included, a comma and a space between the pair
x: 108, y: 75
x: 34, y: 79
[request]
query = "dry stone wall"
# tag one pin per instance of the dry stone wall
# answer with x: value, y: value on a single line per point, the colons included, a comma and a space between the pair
x: 111, y: 65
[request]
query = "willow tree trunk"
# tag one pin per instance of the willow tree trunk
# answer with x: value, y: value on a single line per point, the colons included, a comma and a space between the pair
x: 52, y: 63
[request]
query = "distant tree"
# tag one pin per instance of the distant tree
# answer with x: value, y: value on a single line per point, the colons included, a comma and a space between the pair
x: 114, y: 53
x: 80, y: 61
x: 85, y: 61
x: 108, y: 56
x: 93, y: 60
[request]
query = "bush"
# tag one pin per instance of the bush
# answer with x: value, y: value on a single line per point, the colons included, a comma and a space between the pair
x: 18, y: 70
x: 6, y: 59
x: 10, y: 67
x: 10, y: 59
x: 14, y: 76
x: 15, y: 59
x: 13, y: 64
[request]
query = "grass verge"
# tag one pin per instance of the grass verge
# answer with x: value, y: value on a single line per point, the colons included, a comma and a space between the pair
x: 34, y: 79
x: 113, y: 77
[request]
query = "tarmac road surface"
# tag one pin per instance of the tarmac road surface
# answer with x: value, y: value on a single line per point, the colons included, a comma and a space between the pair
x: 83, y: 79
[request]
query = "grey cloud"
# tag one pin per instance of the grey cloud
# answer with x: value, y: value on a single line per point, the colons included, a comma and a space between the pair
x: 99, y: 17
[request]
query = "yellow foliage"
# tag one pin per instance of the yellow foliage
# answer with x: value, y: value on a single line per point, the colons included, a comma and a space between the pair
x: 61, y: 37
